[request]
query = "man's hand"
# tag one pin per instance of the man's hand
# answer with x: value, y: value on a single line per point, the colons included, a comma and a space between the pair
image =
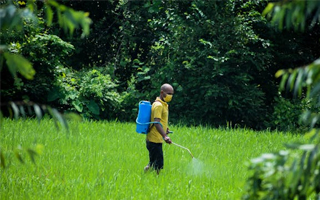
x: 167, y: 140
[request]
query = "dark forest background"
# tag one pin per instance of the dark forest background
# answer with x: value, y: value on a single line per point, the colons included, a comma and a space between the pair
x: 220, y: 56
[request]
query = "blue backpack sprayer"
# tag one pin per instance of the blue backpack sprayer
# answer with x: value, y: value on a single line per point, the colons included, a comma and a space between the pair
x: 144, y: 116
x: 143, y: 121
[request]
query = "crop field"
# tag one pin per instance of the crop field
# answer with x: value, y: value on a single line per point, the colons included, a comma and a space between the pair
x: 105, y: 160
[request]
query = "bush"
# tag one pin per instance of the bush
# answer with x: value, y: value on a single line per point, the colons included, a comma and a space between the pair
x: 286, y: 174
x: 89, y: 92
x: 287, y: 114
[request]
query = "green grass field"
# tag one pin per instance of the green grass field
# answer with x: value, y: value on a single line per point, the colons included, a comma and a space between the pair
x: 105, y: 160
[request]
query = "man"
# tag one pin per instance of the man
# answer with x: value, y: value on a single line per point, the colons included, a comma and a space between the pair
x: 159, y: 132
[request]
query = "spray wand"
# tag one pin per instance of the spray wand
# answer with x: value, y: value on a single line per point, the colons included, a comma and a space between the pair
x: 183, y: 148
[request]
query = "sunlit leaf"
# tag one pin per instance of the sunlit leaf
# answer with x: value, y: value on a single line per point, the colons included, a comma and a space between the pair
x: 31, y: 6
x: 70, y: 19
x: 17, y: 63
x: 292, y: 79
x: 268, y: 9
x: 73, y: 116
x: 52, y: 2
x: 315, y: 135
x: 39, y: 149
x: 310, y: 134
x: 78, y: 105
x: 280, y: 73
x: 49, y: 14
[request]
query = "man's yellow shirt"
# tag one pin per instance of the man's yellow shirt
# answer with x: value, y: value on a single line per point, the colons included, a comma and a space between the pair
x: 160, y: 109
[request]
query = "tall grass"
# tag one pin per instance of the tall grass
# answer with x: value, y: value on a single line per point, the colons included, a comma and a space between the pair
x: 105, y: 160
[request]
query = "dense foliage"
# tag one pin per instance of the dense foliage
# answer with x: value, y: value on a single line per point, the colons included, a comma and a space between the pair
x: 293, y: 173
x: 220, y: 56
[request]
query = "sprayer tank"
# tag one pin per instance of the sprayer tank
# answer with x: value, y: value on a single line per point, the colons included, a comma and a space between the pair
x: 144, y: 116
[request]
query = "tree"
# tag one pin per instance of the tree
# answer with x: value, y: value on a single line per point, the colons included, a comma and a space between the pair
x: 20, y: 16
x: 207, y: 49
x: 12, y: 19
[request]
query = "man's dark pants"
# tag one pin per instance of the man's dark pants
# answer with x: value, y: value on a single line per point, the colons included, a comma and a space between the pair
x: 155, y: 155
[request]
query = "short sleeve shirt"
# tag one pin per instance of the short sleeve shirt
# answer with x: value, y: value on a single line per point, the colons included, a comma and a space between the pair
x: 160, y: 109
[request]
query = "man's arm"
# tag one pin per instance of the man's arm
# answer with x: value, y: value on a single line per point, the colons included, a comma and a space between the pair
x: 162, y: 132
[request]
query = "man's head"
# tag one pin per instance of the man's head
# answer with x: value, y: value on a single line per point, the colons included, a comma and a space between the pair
x: 166, y: 92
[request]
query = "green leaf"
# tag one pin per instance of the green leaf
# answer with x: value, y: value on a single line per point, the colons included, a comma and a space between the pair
x: 292, y: 79
x: 93, y: 107
x: 53, y: 95
x: 2, y: 160
x: 60, y: 118
x: 293, y: 178
x: 315, y: 90
x: 22, y: 111
x: 32, y: 154
x: 70, y: 19
x: 307, y: 147
x: 54, y: 118
x: 78, y: 105
x: 10, y: 18
x: 38, y: 111
x: 280, y: 73
x: 314, y: 121
x: 73, y: 116
x: 268, y: 9
x: 1, y: 118
x: 18, y: 155
x: 15, y: 110
x: 17, y: 63
x: 257, y: 160
x: 293, y: 145
x: 49, y: 14
x: 283, y: 81
x: 299, y: 82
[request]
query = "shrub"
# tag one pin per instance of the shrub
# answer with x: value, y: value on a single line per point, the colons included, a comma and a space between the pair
x: 89, y: 92
x: 287, y: 114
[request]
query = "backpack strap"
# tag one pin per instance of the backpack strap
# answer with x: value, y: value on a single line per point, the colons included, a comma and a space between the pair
x: 152, y: 123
